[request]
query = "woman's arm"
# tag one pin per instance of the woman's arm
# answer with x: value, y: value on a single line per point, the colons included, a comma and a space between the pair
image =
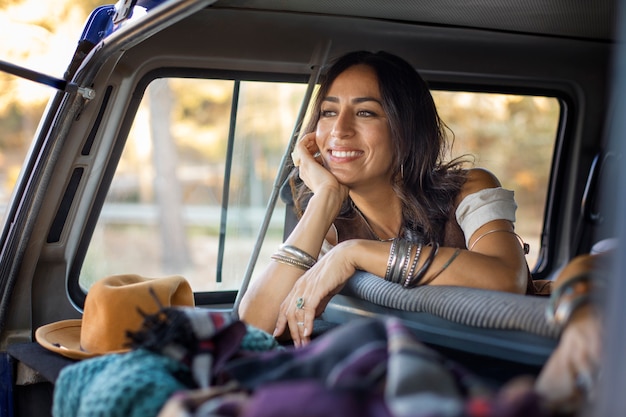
x: 259, y: 306
x: 496, y: 261
x: 496, y: 256
x: 572, y: 366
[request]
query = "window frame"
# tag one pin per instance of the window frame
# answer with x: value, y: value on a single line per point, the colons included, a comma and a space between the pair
x: 226, y: 298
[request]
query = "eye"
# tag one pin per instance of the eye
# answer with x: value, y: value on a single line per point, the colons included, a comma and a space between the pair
x: 327, y: 113
x: 365, y: 113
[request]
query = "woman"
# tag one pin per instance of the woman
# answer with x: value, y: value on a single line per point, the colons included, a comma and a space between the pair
x: 379, y: 198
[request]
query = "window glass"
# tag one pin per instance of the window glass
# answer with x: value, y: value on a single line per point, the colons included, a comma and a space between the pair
x: 167, y: 210
x: 177, y: 206
x: 513, y: 136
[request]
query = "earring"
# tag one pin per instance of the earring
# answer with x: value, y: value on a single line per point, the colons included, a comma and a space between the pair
x: 402, y: 171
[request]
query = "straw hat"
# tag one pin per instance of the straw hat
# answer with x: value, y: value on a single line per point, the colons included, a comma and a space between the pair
x: 111, y: 309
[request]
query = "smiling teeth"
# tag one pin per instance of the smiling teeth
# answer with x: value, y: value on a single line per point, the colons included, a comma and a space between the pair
x: 345, y: 154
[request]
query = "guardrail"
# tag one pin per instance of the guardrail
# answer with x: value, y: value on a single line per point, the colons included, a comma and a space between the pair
x: 148, y: 214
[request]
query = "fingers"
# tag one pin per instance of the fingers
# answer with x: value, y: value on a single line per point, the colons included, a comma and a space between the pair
x: 300, y: 320
x: 305, y: 149
x: 280, y: 323
x: 296, y: 315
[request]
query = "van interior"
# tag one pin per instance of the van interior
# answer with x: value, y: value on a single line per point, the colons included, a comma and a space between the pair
x: 166, y: 151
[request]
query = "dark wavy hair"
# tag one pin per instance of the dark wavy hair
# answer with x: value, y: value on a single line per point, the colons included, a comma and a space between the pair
x: 424, y: 182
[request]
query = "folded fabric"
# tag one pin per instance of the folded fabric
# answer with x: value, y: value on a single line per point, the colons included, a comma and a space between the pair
x: 370, y: 368
x: 201, y: 339
x: 134, y: 384
x: 375, y: 359
x: 175, y: 349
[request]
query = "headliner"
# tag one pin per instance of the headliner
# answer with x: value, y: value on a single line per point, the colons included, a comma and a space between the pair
x: 582, y: 19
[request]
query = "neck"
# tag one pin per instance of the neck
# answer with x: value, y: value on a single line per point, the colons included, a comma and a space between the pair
x: 383, y: 213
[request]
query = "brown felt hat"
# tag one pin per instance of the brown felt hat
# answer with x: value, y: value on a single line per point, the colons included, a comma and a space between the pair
x: 111, y: 309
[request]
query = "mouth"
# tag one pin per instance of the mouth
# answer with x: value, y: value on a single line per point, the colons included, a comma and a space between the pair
x: 345, y: 154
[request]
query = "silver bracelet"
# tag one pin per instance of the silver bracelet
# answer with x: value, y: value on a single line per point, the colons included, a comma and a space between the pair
x: 565, y: 288
x: 398, y: 264
x: 393, y: 258
x: 566, y: 309
x: 287, y: 260
x: 299, y: 254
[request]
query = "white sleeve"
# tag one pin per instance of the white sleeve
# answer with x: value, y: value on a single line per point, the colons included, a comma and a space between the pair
x: 326, y: 245
x: 484, y: 206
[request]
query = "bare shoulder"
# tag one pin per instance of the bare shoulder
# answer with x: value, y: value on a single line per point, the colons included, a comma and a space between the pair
x: 478, y: 179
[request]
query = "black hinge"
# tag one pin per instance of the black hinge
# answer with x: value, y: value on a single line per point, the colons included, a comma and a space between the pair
x: 58, y: 83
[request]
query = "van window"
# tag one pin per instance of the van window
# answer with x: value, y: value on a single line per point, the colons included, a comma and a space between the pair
x: 513, y: 136
x: 179, y: 205
x: 175, y: 197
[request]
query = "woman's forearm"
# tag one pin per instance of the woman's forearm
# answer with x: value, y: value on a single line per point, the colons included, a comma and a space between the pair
x: 260, y: 304
x: 449, y: 266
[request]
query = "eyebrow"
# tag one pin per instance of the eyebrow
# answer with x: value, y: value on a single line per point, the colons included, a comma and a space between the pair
x: 354, y: 100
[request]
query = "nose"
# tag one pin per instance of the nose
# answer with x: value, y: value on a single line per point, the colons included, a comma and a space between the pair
x: 343, y: 126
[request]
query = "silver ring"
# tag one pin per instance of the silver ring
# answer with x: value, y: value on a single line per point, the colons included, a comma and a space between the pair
x: 300, y: 323
x: 300, y: 303
x: 585, y: 381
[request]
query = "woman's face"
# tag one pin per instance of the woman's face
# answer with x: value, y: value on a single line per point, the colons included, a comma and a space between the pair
x: 353, y: 132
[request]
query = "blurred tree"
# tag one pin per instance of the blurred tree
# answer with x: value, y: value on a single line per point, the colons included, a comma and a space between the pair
x: 31, y: 36
x: 175, y: 251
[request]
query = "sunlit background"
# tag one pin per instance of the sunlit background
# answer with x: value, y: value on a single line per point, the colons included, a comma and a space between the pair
x: 42, y: 36
x: 511, y: 135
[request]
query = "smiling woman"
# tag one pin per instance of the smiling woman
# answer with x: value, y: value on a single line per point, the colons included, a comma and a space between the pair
x: 380, y: 198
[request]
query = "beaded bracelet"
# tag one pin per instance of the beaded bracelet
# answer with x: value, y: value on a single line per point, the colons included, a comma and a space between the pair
x: 402, y: 254
x: 392, y: 258
x: 418, y: 253
x: 414, y: 281
x: 405, y: 263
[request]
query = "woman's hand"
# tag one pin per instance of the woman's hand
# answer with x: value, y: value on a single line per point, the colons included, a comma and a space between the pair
x: 570, y: 372
x: 312, y: 292
x: 306, y: 156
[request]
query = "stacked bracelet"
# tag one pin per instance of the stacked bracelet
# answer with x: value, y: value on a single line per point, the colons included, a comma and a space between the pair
x: 400, y: 267
x: 566, y: 299
x: 399, y: 259
x: 293, y: 256
x: 298, y: 254
x: 414, y: 280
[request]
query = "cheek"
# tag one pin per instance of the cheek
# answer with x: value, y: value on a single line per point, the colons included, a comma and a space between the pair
x: 321, y: 134
x: 322, y: 128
